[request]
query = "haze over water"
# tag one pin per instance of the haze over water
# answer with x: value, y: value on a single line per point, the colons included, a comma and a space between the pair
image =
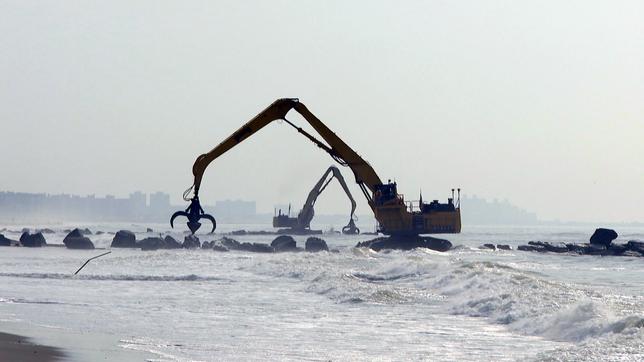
x: 537, y: 103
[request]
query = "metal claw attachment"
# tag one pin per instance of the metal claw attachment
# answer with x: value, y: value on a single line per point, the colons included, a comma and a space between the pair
x: 351, y: 229
x: 194, y: 213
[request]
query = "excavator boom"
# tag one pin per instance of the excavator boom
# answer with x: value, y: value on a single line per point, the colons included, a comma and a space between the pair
x: 389, y: 208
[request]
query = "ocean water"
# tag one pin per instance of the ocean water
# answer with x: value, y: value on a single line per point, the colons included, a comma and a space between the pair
x: 465, y: 304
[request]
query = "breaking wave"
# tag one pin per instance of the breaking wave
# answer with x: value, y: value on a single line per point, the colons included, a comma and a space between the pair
x: 525, y: 302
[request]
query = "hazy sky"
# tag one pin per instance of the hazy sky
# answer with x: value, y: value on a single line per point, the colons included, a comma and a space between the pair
x: 540, y: 102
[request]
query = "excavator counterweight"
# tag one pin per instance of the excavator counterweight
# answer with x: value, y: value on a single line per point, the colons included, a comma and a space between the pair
x: 394, y: 215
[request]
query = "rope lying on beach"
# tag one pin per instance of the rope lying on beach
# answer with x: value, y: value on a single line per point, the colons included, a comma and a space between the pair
x: 90, y: 259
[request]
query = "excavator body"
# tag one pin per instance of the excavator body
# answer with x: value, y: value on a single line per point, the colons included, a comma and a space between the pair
x: 396, y: 217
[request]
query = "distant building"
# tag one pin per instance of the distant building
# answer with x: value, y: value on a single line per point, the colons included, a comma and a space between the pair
x: 235, y: 210
x: 476, y: 210
x: 159, y: 201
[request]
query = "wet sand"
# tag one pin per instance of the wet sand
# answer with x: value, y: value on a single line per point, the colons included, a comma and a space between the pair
x: 18, y: 348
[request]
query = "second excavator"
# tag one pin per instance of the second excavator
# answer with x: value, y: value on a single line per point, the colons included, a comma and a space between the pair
x: 302, y: 223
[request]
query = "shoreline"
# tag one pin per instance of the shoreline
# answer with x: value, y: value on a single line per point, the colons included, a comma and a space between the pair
x: 14, y: 347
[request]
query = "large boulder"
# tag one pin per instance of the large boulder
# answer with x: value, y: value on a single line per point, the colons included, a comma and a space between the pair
x: 488, y: 246
x: 6, y: 241
x: 503, y: 247
x: 603, y: 236
x: 124, y: 239
x: 152, y: 243
x: 191, y: 242
x: 284, y: 243
x: 76, y: 240
x: 171, y: 243
x: 32, y: 240
x: 314, y: 245
x: 406, y: 243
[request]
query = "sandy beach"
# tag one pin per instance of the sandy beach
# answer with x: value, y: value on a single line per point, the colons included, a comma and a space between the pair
x: 19, y: 348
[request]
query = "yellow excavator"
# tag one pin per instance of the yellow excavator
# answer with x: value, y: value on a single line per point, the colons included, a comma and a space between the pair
x: 394, y: 215
x: 302, y: 223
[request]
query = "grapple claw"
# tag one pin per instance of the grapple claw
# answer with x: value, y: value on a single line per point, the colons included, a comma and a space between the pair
x: 212, y: 220
x: 194, y: 213
x: 351, y: 229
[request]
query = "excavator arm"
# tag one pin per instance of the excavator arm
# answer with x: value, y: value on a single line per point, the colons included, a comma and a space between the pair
x: 365, y: 175
x: 306, y: 214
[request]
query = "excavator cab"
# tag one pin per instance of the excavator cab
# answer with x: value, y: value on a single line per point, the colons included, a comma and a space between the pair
x: 385, y: 193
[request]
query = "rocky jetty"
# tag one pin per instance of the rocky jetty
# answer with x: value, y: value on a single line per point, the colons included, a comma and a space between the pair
x: 124, y: 239
x: 232, y: 244
x: 601, y: 243
x: 406, y: 243
x: 76, y: 240
x: 314, y: 245
x: 284, y: 243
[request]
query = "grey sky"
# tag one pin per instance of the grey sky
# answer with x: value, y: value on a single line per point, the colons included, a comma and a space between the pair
x: 539, y: 102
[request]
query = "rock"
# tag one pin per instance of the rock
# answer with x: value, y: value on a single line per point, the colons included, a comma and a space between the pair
x: 6, y: 241
x: 406, y: 243
x: 556, y: 247
x: 206, y: 245
x: 284, y: 243
x: 171, y: 243
x: 76, y: 233
x: 314, y: 245
x: 32, y: 240
x: 152, y: 243
x: 217, y: 247
x: 148, y: 230
x: 238, y: 232
x: 46, y: 231
x: 487, y: 246
x: 538, y: 248
x: 124, y: 239
x: 603, y: 236
x: 616, y: 249
x: 25, y: 230
x: 503, y: 247
x: 191, y: 242
x: 230, y: 243
x: 257, y: 247
x: 99, y: 233
x: 635, y: 245
x: 76, y: 240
